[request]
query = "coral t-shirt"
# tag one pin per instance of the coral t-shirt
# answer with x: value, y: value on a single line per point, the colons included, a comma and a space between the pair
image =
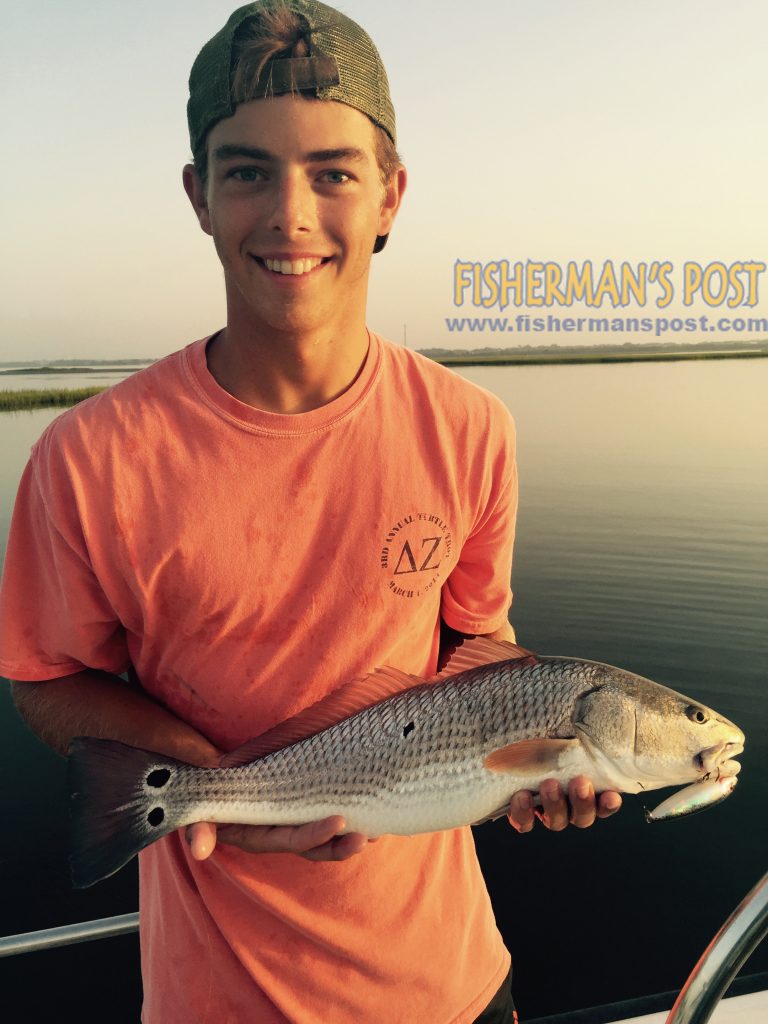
x: 246, y: 564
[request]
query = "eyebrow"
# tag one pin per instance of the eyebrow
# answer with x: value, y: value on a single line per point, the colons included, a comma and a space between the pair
x: 229, y: 151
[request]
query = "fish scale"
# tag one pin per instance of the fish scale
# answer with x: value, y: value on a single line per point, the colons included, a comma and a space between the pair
x: 424, y: 757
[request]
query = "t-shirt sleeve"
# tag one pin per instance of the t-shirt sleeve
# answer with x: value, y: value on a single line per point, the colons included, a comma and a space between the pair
x: 54, y: 616
x: 477, y: 595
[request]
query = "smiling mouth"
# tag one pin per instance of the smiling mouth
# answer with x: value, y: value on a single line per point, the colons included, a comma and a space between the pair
x: 293, y: 268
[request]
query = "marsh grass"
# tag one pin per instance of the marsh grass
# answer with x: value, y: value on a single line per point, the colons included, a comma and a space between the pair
x: 14, y: 401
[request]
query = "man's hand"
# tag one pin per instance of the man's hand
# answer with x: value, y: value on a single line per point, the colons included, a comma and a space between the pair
x: 580, y: 807
x: 317, y: 840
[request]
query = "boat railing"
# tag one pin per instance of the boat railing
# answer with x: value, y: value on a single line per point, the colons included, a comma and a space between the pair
x: 723, y: 958
x: 68, y: 934
x: 746, y: 927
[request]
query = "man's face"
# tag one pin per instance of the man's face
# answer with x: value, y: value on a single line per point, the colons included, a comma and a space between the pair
x: 294, y: 204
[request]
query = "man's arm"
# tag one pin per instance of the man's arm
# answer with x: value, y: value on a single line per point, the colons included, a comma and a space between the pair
x: 100, y: 704
x: 579, y: 806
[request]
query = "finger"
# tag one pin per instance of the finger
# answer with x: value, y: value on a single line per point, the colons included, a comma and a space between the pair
x: 520, y: 815
x: 554, y: 812
x: 608, y: 803
x: 317, y: 833
x: 581, y: 794
x: 202, y: 839
x: 338, y: 848
x: 281, y: 838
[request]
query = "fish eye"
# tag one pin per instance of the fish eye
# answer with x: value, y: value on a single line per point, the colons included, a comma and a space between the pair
x: 697, y: 714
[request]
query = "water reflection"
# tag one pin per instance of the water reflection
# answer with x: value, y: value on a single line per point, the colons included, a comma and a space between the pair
x: 643, y: 497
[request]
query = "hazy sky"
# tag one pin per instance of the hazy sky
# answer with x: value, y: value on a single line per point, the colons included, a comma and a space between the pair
x: 569, y: 130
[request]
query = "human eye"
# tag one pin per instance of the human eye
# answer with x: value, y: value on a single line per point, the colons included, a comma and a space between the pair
x: 336, y: 177
x: 245, y: 175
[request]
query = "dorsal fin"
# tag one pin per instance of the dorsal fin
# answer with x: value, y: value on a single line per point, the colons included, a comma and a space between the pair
x: 483, y: 651
x: 344, y: 702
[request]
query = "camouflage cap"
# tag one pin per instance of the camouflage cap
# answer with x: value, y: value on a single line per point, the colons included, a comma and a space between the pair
x: 342, y: 64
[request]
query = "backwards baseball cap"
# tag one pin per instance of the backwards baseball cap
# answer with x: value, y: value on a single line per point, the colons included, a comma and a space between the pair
x: 341, y: 64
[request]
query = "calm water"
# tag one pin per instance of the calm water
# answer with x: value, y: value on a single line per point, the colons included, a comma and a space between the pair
x: 642, y: 542
x: 101, y: 378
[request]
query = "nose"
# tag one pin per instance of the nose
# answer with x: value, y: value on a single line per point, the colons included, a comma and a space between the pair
x: 293, y: 210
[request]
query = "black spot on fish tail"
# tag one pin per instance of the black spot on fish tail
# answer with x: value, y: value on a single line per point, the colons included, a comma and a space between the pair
x: 158, y: 777
x: 112, y: 815
x: 409, y: 729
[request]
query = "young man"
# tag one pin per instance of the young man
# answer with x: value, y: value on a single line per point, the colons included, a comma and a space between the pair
x: 259, y: 518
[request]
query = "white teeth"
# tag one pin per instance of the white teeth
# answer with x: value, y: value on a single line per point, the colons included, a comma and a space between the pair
x: 292, y: 266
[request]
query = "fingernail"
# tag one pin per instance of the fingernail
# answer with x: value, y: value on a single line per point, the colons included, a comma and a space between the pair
x: 612, y: 803
x: 581, y: 790
x: 523, y: 801
x: 551, y: 791
x: 200, y: 849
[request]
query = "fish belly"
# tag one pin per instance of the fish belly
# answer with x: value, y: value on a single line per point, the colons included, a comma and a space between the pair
x: 400, y: 804
x: 390, y: 796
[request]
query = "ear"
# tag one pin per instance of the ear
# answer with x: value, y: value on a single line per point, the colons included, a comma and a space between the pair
x: 393, y: 196
x: 193, y: 186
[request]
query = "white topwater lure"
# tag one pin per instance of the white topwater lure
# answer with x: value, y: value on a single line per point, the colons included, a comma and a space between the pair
x: 698, y: 796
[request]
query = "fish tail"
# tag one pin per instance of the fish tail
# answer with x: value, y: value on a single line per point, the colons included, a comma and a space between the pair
x: 118, y: 805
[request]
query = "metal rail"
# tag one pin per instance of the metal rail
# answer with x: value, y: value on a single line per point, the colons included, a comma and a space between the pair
x: 68, y: 934
x: 729, y: 949
x: 721, y: 960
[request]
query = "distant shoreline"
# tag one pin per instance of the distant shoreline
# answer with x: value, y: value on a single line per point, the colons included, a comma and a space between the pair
x: 18, y: 401
x: 527, y: 355
x: 540, y: 359
x: 24, y: 371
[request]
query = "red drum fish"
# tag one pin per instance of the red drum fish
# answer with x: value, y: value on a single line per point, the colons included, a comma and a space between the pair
x: 395, y: 754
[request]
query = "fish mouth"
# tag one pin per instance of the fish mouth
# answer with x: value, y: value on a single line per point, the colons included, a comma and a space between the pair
x: 710, y: 758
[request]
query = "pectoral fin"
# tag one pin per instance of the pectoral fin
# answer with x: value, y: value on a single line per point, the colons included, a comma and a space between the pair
x: 529, y: 757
